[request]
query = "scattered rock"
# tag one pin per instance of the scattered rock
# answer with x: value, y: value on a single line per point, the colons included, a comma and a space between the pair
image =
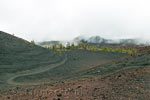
x: 59, y: 94
x: 95, y: 89
x: 79, y: 86
x: 119, y: 75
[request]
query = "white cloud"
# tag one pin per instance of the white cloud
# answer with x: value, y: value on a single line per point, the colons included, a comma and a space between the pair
x: 66, y: 19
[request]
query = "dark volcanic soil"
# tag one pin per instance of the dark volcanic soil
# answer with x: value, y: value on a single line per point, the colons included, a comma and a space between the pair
x: 131, y: 84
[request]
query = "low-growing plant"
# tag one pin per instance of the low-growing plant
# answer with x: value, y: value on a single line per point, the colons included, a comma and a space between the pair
x: 58, y: 48
x: 32, y: 42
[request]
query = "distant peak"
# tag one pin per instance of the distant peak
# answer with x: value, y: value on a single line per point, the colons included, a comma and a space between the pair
x: 92, y: 39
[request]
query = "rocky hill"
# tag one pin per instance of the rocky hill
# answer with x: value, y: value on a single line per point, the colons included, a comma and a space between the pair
x: 17, y: 55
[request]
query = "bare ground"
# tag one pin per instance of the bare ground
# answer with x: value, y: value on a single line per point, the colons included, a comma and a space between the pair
x: 33, y: 71
x: 130, y: 84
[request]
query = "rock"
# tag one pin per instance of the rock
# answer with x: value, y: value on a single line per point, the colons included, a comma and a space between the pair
x: 59, y: 94
x: 78, y: 86
x: 8, y: 97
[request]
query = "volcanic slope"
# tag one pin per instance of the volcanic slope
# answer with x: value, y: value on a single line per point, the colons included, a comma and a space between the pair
x: 78, y: 61
x: 127, y: 79
x: 23, y: 63
x: 17, y: 55
x: 127, y: 63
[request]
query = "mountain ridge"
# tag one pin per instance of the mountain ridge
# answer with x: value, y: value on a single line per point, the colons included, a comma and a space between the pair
x: 96, y: 40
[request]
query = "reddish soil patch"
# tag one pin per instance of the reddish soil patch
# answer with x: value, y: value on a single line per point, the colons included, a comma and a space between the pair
x: 131, y: 84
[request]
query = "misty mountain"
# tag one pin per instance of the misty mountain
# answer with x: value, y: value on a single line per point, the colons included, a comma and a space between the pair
x: 102, y: 41
x: 51, y: 43
x: 48, y: 43
x: 95, y: 40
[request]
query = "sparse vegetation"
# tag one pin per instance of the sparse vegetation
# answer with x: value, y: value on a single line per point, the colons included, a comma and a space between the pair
x: 32, y: 42
x: 85, y: 46
x: 26, y: 42
x: 24, y: 62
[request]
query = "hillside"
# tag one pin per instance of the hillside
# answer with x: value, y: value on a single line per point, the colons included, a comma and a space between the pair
x: 123, y: 79
x: 18, y: 55
x: 26, y: 68
x: 23, y: 62
x: 78, y: 60
x: 142, y: 59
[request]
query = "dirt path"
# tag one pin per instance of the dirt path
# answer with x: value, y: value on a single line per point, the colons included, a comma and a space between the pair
x: 32, y: 72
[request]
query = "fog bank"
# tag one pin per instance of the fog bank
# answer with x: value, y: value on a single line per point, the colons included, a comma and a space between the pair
x: 44, y: 20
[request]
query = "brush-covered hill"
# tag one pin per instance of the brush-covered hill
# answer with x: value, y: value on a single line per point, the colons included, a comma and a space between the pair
x: 17, y: 55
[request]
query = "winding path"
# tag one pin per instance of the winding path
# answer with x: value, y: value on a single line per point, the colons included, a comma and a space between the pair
x: 32, y: 72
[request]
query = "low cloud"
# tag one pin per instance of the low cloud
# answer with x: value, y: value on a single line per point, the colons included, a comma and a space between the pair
x: 66, y: 19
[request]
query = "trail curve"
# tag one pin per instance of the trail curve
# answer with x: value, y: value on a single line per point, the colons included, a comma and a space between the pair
x: 32, y: 72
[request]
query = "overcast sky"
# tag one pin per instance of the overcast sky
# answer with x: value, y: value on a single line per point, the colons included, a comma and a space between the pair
x: 66, y: 19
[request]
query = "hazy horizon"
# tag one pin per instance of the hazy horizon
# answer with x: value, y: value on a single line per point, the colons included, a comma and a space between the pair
x: 66, y: 19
